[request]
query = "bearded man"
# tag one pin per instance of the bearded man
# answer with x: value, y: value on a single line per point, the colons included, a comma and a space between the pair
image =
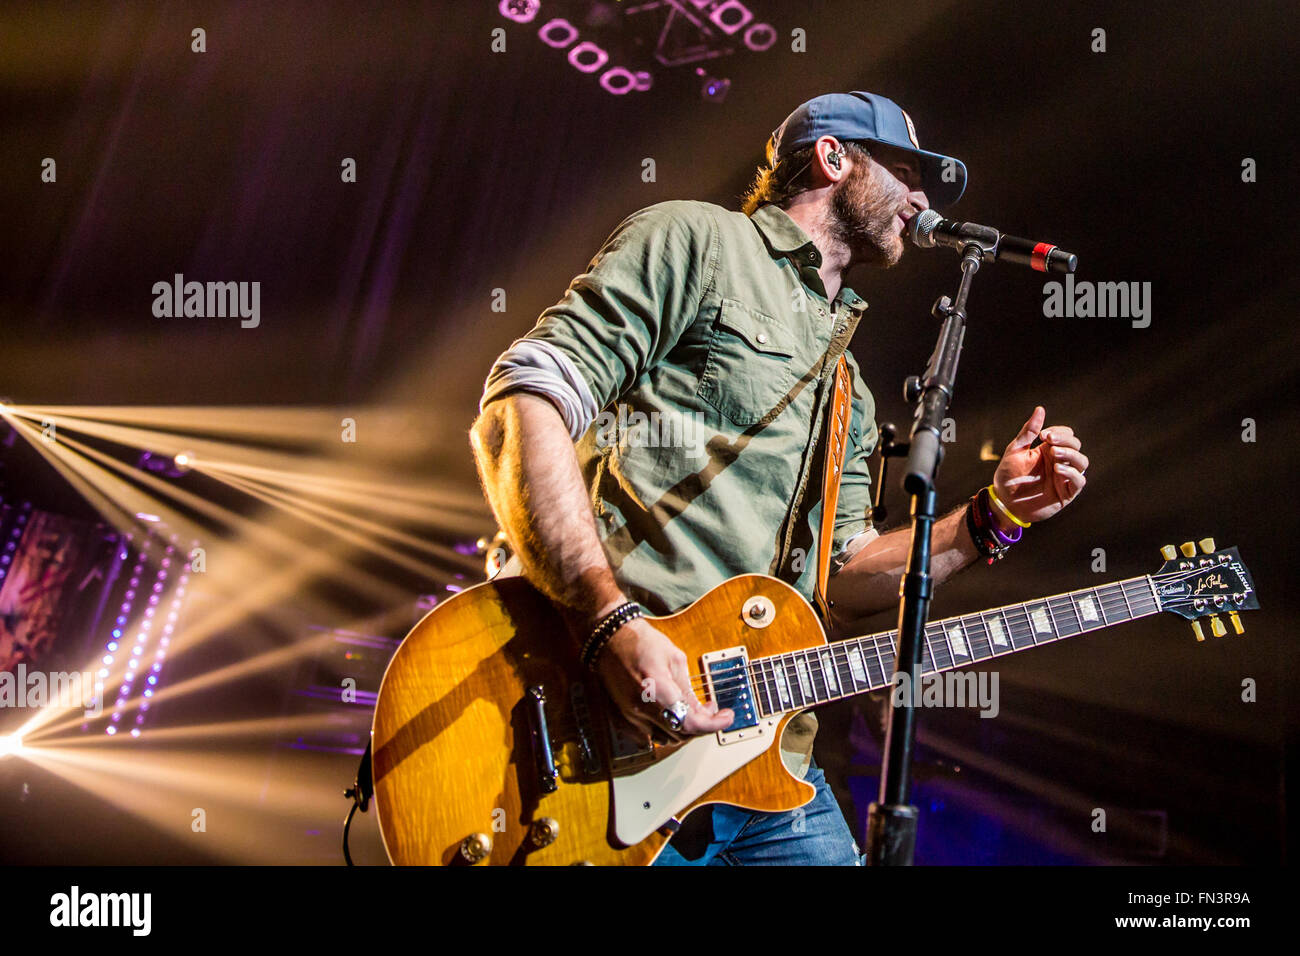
x: 733, y: 327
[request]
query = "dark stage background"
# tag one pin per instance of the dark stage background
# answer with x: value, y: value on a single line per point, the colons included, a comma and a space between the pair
x: 479, y: 171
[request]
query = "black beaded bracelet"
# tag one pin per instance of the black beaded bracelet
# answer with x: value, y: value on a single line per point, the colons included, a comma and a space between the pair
x: 606, y: 629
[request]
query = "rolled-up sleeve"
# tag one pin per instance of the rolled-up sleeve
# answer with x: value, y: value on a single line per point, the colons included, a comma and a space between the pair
x: 536, y: 366
x: 639, y: 293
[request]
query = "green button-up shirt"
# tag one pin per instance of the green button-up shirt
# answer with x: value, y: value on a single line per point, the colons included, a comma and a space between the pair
x: 706, y: 338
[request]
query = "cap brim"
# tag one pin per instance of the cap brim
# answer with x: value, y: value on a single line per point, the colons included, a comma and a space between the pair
x: 942, y: 177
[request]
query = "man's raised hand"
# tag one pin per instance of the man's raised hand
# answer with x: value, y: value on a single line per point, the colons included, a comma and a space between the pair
x: 1036, y: 480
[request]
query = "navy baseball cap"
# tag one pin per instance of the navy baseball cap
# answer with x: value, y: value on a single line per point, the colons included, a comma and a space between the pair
x: 870, y: 118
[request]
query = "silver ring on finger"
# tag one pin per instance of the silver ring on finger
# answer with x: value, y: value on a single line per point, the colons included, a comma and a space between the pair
x: 673, y: 716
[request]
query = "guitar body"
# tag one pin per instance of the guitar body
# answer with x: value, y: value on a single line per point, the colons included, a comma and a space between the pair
x: 461, y: 741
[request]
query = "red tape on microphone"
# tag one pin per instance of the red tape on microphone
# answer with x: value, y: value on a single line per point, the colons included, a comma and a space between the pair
x: 1038, y: 258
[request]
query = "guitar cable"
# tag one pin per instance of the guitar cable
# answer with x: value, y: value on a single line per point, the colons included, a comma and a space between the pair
x: 362, y: 789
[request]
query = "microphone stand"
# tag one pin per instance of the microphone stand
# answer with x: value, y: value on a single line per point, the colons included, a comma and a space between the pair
x: 891, y: 820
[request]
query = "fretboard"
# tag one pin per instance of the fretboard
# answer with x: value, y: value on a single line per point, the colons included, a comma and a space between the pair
x: 840, y: 669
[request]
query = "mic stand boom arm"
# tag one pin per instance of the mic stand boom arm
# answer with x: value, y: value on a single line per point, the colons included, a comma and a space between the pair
x: 891, y: 821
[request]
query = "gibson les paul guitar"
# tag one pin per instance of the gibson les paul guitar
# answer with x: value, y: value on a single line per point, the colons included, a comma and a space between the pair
x: 492, y: 745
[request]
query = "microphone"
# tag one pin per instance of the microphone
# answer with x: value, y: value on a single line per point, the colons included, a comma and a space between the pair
x: 928, y: 229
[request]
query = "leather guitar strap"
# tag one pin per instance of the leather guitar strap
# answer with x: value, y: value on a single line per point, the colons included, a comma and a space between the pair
x: 837, y: 437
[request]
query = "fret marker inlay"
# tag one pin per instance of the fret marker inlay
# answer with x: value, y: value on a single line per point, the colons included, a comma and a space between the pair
x: 805, y: 682
x: 829, y: 667
x: 999, y: 635
x: 1089, y: 609
x: 856, y: 666
x: 958, y: 639
x: 782, y: 686
x: 1041, y: 624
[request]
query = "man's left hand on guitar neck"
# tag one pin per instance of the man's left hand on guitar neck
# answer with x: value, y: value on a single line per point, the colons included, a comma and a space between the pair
x: 1041, y: 471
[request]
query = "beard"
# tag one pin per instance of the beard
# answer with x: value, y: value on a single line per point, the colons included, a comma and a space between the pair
x: 863, y: 215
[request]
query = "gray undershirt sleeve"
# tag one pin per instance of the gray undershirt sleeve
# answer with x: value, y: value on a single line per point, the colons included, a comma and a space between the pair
x: 532, y: 365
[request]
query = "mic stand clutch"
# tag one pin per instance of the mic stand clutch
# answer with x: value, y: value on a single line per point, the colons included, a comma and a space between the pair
x: 891, y: 821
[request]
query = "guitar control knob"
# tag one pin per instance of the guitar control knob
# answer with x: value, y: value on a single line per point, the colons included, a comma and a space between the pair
x: 476, y: 847
x: 544, y: 832
x: 758, y: 612
x: 1216, y: 626
x: 1196, y: 629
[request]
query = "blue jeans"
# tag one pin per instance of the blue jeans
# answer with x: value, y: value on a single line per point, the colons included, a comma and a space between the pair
x: 812, y: 835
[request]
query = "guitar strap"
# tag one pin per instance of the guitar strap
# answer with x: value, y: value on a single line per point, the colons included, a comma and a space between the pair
x: 837, y: 435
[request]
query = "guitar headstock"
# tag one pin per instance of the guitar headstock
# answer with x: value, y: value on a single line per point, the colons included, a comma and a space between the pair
x: 1205, y: 583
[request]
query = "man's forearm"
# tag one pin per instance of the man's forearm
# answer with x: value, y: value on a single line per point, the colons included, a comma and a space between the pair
x: 532, y: 481
x: 869, y: 582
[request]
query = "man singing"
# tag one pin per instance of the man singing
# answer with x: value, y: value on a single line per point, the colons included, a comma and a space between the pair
x: 727, y: 328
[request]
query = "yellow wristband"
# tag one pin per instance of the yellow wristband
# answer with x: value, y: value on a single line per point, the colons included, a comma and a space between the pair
x: 993, y: 497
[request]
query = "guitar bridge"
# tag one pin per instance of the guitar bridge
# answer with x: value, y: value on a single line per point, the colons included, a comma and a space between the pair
x: 582, y: 721
x: 544, y: 759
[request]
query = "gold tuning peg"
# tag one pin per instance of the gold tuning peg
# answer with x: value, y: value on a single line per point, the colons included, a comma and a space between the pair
x: 1216, y: 626
x: 1196, y: 629
x: 1188, y: 549
x: 1168, y: 552
x: 1236, y: 622
x: 1207, y: 546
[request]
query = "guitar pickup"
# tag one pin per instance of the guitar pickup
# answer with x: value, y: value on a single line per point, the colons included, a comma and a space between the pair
x: 726, y: 673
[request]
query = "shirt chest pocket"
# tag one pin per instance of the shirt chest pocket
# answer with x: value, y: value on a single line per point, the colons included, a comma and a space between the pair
x: 752, y: 369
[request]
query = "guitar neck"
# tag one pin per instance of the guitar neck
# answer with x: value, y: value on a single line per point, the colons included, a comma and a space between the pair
x: 799, y: 679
